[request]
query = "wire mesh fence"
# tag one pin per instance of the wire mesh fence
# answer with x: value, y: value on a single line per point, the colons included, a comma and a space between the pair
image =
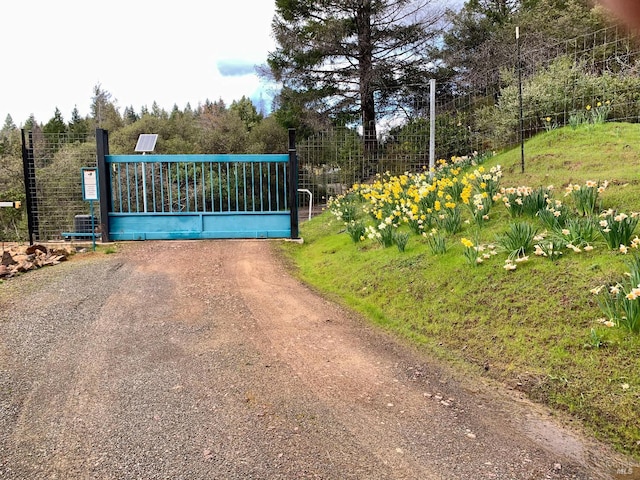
x: 591, y: 78
x: 588, y: 79
x: 53, y: 165
x: 333, y: 160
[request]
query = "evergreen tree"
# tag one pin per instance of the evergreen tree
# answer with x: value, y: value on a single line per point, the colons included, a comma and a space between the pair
x: 7, y: 135
x: 292, y: 111
x: 31, y: 124
x: 55, y: 130
x: 104, y: 110
x: 78, y: 126
x: 158, y: 112
x: 56, y: 125
x: 350, y: 57
x: 8, y: 126
x: 247, y: 112
x: 129, y: 116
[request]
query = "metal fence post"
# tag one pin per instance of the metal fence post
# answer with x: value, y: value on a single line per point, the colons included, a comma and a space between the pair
x: 104, y: 181
x: 29, y: 171
x: 432, y: 125
x: 521, y: 110
x: 293, y: 183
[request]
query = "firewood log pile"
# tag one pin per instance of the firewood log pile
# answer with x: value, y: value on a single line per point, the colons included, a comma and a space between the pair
x: 22, y: 258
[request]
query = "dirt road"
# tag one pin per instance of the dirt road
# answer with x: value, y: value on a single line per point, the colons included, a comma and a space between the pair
x: 206, y: 360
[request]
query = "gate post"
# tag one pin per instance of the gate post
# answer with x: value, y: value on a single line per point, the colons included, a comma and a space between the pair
x: 104, y: 181
x: 293, y: 183
x: 29, y: 171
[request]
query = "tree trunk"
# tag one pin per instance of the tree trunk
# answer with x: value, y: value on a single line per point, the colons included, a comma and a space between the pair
x: 365, y: 58
x: 369, y: 124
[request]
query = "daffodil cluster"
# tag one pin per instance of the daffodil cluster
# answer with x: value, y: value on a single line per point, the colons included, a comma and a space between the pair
x: 620, y: 301
x: 343, y: 207
x: 477, y: 254
x: 431, y: 199
x: 617, y: 228
x: 586, y: 195
x: 512, y: 197
x: 555, y: 215
x: 479, y: 192
x: 524, y: 200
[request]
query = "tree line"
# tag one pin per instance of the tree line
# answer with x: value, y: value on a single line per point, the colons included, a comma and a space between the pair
x: 212, y: 127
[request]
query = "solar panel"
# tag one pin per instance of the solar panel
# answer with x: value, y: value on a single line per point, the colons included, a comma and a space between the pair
x: 146, y: 142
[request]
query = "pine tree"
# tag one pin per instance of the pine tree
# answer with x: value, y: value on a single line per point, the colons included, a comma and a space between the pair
x: 351, y: 58
x: 56, y: 125
x: 8, y: 126
x: 104, y: 110
x: 130, y: 116
x: 78, y: 126
x: 247, y: 112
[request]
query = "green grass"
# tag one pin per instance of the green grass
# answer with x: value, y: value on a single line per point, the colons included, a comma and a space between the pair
x: 111, y: 249
x: 535, y: 327
x: 608, y: 151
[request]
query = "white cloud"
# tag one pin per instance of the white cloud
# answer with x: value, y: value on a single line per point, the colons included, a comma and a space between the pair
x: 140, y: 51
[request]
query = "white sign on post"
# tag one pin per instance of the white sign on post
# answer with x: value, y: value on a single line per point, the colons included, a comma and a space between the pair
x: 89, y: 184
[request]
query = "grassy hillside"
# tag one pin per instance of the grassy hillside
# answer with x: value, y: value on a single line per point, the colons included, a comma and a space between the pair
x: 535, y: 327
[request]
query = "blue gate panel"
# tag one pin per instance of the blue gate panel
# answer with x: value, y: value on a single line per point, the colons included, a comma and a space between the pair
x: 158, y: 197
x: 178, y: 226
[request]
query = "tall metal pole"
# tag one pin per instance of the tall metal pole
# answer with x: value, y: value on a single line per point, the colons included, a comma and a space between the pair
x: 144, y: 185
x: 432, y: 125
x: 29, y: 172
x: 293, y: 184
x: 104, y: 182
x: 520, y: 100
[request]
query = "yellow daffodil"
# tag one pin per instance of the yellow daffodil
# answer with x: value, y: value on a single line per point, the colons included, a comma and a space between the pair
x: 466, y: 242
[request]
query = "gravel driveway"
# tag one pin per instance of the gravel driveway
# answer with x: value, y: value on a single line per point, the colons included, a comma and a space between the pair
x: 206, y: 360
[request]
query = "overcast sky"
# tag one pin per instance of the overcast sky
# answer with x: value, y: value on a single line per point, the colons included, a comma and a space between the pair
x: 55, y: 52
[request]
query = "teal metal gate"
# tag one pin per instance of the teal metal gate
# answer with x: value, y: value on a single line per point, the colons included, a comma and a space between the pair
x: 167, y: 197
